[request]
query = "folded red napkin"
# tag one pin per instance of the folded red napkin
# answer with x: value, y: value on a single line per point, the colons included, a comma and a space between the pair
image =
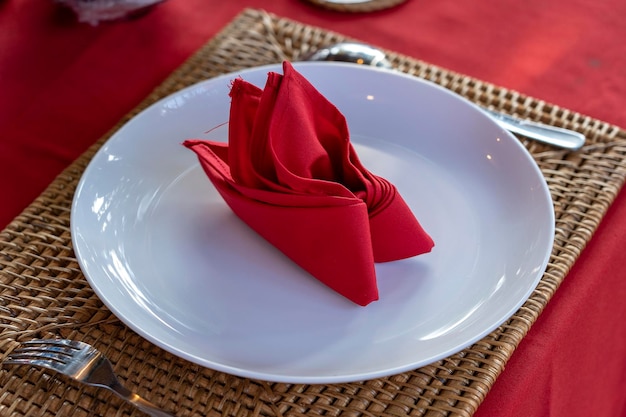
x: 290, y: 172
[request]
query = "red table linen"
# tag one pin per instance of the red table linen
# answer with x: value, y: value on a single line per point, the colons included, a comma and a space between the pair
x: 63, y: 85
x: 290, y: 172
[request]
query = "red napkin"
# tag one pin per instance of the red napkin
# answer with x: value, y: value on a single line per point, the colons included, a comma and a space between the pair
x: 290, y: 173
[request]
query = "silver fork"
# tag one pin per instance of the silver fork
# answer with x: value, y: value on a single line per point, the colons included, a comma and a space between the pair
x: 81, y: 362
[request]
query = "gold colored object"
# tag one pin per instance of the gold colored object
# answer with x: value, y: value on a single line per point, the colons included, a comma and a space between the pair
x: 357, y: 6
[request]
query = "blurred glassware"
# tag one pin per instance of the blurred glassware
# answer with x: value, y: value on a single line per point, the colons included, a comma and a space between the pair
x: 96, y: 11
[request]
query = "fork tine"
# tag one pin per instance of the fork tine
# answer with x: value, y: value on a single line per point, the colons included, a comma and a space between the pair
x: 57, y: 346
x: 43, y: 352
x: 48, y: 363
x: 70, y: 344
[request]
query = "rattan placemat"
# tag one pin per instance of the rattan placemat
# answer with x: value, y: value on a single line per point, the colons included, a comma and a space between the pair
x: 43, y: 292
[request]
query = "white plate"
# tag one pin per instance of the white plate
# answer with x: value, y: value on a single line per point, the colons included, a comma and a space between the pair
x: 166, y: 255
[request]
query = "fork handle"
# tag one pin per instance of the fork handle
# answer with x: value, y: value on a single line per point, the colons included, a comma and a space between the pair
x: 134, y: 399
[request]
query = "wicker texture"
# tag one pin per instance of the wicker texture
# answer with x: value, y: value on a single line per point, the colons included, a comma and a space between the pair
x: 44, y: 294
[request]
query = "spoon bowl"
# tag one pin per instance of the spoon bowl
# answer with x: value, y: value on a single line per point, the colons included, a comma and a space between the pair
x: 357, y: 53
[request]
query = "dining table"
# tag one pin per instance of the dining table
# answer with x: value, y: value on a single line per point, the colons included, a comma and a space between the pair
x: 67, y: 86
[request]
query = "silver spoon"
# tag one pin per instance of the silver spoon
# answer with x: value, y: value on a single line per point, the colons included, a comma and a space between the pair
x: 363, y: 54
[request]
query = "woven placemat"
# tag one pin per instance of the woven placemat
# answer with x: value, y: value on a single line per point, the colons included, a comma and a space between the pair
x: 44, y: 294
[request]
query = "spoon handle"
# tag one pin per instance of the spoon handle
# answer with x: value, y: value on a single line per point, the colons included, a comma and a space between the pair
x: 552, y: 135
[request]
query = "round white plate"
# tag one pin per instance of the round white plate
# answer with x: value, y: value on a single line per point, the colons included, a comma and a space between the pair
x: 166, y: 255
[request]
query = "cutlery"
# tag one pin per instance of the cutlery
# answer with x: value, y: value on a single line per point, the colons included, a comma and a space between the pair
x: 81, y: 362
x: 364, y: 54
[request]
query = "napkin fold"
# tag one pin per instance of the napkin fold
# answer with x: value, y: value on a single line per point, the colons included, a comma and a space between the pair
x: 290, y: 172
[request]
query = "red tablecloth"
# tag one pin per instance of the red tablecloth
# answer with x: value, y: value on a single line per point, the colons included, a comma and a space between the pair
x: 65, y: 84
